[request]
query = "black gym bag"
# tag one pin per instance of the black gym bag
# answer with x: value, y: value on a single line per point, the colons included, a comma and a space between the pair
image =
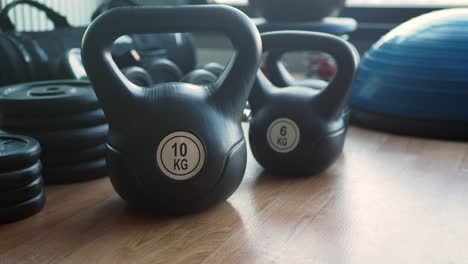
x: 40, y: 56
x: 30, y: 56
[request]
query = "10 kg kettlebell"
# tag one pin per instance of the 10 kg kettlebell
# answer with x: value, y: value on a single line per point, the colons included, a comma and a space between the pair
x: 299, y: 131
x: 174, y: 148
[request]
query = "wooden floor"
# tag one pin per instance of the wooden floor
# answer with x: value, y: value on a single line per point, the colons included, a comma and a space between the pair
x: 389, y: 199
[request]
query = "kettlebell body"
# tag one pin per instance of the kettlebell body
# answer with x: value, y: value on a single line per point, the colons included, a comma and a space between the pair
x: 296, y: 130
x: 174, y: 148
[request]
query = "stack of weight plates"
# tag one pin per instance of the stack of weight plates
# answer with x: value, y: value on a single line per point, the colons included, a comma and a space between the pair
x: 21, y: 184
x: 66, y: 118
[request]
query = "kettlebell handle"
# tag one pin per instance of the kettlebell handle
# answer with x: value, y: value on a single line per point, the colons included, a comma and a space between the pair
x: 331, y: 100
x: 278, y: 73
x: 232, y: 88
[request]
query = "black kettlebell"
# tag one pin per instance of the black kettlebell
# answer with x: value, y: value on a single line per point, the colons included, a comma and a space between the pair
x: 174, y: 148
x: 299, y: 131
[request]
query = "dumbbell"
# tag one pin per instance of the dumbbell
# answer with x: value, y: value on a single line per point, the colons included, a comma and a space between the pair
x: 206, y: 75
x: 177, y: 148
x: 215, y: 68
x: 163, y: 70
x: 138, y: 76
x: 70, y: 66
x: 160, y: 70
x: 299, y: 131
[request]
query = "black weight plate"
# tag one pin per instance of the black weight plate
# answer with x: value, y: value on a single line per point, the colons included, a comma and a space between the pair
x: 69, y: 139
x: 19, y: 178
x: 64, y: 158
x: 76, y: 173
x: 47, y: 98
x: 17, y: 196
x: 86, y: 119
x: 17, y: 151
x: 24, y: 210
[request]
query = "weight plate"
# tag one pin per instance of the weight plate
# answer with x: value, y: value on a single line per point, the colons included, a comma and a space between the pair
x: 17, y: 196
x: 24, y: 210
x: 47, y: 98
x: 69, y: 139
x: 76, y: 173
x: 17, y: 151
x: 86, y: 119
x: 19, y: 178
x: 64, y: 158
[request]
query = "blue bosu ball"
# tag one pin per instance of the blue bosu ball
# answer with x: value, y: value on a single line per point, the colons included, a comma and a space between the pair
x: 414, y: 80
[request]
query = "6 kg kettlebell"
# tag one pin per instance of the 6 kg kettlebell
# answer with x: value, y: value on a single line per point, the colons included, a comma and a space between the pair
x: 174, y: 148
x: 296, y: 130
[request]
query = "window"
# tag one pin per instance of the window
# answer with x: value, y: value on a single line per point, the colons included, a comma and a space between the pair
x: 408, y: 2
x: 232, y: 2
x: 378, y: 2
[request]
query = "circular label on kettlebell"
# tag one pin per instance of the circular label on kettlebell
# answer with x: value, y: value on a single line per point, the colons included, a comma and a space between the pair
x: 181, y: 155
x: 283, y: 135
